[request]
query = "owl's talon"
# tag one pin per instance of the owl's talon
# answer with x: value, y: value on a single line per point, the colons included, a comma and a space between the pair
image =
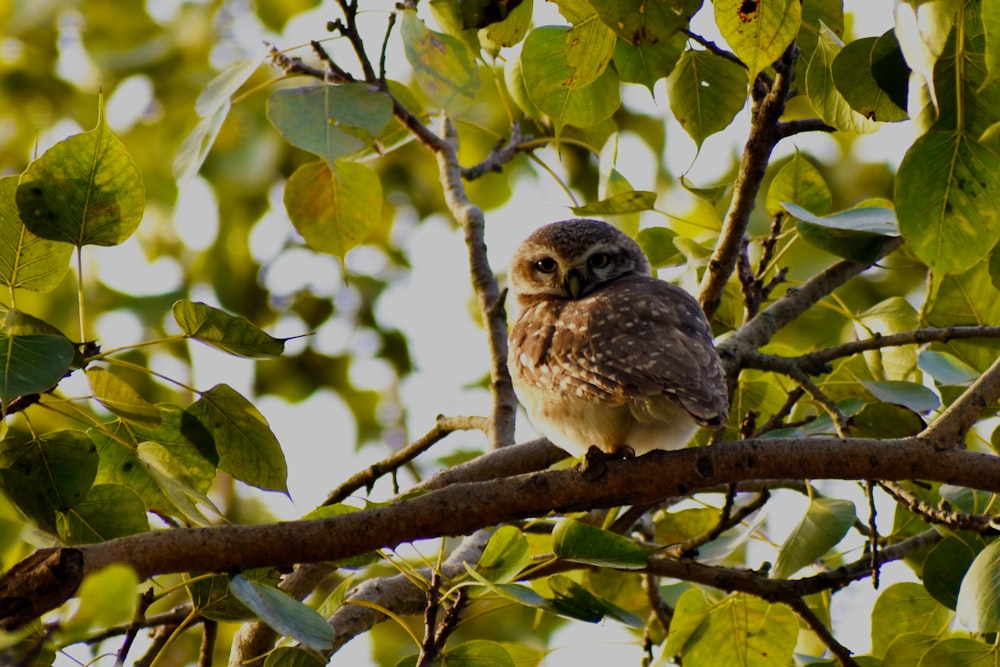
x: 594, y: 464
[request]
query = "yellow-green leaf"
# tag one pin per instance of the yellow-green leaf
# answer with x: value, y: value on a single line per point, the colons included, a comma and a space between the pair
x: 706, y: 93
x: 333, y: 209
x: 828, y: 102
x: 229, y: 333
x: 121, y: 399
x: 246, y: 445
x: 27, y: 261
x: 443, y: 66
x: 108, y: 511
x: 85, y: 190
x: 758, y: 31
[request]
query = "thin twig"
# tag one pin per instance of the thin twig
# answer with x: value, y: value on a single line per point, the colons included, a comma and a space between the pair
x: 984, y: 524
x: 366, y: 478
x: 839, y: 651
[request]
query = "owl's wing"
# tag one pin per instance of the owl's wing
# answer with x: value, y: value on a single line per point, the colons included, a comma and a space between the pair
x: 636, y: 338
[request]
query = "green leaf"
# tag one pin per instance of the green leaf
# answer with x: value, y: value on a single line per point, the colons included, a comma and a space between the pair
x: 855, y: 79
x: 108, y: 511
x: 965, y: 299
x: 891, y: 316
x: 658, y: 244
x: 922, y: 30
x: 638, y: 21
x: 706, y: 92
x: 85, y: 190
x: 800, y: 183
x: 648, y: 62
x: 947, y: 562
x: 826, y: 99
x: 477, y: 653
x: 283, y: 613
x: 979, y: 597
x: 287, y: 656
x: 959, y: 651
x: 824, y: 524
x: 164, y: 466
x: 510, y: 30
x: 335, y: 209
x: 444, y: 68
x: 991, y: 28
x: 946, y: 369
x: 548, y: 80
x: 505, y: 556
x: 582, y: 543
x: 23, y: 493
x: 229, y: 333
x: 27, y: 261
x: 902, y: 608
x: 907, y: 649
x: 246, y: 445
x: 62, y: 465
x: 574, y: 601
x: 885, y: 420
x: 914, y: 396
x: 948, y: 200
x: 759, y: 31
x: 858, y: 234
x: 330, y: 121
x: 212, y: 597
x: 121, y: 399
x: 105, y: 598
x: 589, y: 47
x: 737, y: 630
x: 32, y: 364
x: 625, y: 202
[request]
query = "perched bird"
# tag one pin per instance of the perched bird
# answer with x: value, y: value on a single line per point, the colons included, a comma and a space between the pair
x: 604, y: 355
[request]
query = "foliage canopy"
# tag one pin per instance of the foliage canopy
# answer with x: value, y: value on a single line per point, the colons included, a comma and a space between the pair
x: 856, y: 307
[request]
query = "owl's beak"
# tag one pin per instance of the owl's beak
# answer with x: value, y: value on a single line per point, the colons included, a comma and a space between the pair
x: 575, y: 283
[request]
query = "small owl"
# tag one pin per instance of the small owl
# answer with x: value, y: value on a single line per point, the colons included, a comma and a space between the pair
x: 604, y: 355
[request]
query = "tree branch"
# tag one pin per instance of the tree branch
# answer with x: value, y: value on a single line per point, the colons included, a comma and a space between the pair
x: 32, y: 588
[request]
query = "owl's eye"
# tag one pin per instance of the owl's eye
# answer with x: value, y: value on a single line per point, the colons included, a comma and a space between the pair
x: 546, y: 265
x: 599, y: 260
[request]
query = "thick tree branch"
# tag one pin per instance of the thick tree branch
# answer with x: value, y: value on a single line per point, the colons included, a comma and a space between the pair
x: 463, y: 508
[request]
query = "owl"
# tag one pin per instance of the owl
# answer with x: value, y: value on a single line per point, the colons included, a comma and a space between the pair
x: 604, y: 355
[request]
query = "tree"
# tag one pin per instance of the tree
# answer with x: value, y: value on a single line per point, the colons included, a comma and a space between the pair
x: 856, y: 311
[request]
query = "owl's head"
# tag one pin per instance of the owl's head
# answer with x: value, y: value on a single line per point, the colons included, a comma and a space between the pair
x: 572, y: 259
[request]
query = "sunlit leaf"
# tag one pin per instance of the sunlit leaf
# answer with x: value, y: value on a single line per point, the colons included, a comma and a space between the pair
x: 901, y: 608
x: 548, y: 81
x: 85, y: 190
x: 510, y: 30
x: 106, y: 598
x: 287, y: 656
x: 120, y: 398
x: 505, y: 555
x: 229, y: 333
x: 330, y: 121
x: 979, y: 597
x: 246, y: 445
x: 648, y: 62
x: 824, y: 524
x: 625, y: 202
x: 108, y: 511
x: 738, y: 630
x: 444, y: 68
x: 286, y: 615
x: 706, y: 91
x: 478, y: 653
x: 589, y: 47
x: 27, y: 261
x: 758, y: 31
x: 922, y: 30
x: 826, y: 99
x: 948, y: 200
x: 334, y: 210
x: 959, y: 651
x: 965, y: 299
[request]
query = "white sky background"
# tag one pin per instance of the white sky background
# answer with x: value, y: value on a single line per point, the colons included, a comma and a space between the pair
x: 317, y: 435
